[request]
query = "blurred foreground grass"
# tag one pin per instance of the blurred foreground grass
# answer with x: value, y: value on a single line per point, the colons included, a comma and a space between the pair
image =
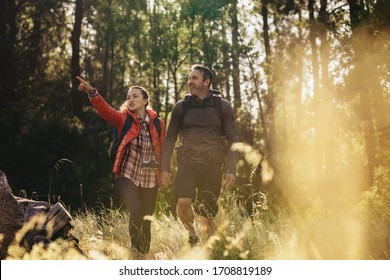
x: 359, y: 230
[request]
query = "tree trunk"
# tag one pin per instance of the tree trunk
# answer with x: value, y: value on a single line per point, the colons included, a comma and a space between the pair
x: 235, y: 59
x: 8, y: 33
x: 156, y: 89
x: 155, y: 56
x: 75, y: 62
x: 356, y: 13
x: 327, y: 91
x: 106, y: 54
x: 362, y: 45
x: 318, y: 98
x: 269, y: 101
x: 11, y: 216
x: 226, y: 63
x: 205, y: 45
x: 35, y: 52
x: 260, y: 100
x: 271, y: 141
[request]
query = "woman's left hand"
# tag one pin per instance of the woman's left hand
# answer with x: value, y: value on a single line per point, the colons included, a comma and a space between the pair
x: 84, y: 86
x: 165, y: 179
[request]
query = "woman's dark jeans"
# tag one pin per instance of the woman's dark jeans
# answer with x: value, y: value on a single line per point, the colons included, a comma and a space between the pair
x: 140, y: 202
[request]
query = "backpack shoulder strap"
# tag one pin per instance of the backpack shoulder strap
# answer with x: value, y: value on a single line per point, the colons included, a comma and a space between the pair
x: 157, y: 125
x: 217, y: 101
x: 187, y: 101
x: 126, y: 127
x: 117, y: 140
x: 186, y: 104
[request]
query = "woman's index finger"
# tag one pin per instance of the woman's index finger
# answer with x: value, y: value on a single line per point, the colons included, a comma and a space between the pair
x: 81, y: 80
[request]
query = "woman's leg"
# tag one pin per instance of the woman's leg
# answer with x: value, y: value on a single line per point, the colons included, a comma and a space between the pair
x: 148, y: 198
x: 140, y: 202
x: 130, y: 196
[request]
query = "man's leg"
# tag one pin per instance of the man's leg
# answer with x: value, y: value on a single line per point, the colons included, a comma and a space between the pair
x: 186, y: 214
x: 207, y: 226
x: 207, y: 205
x: 185, y: 192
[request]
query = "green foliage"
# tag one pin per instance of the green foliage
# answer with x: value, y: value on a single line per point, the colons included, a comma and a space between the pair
x: 207, y: 10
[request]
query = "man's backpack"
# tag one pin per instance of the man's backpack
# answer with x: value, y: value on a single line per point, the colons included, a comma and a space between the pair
x: 112, y: 150
x: 217, y: 104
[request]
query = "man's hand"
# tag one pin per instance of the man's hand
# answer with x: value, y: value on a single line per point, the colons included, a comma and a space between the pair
x: 165, y: 178
x: 229, y: 180
x: 84, y: 86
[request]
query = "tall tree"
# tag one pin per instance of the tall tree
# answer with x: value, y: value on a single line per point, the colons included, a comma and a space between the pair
x: 75, y: 61
x: 226, y: 65
x: 235, y: 57
x: 326, y: 106
x: 363, y: 47
x: 269, y: 98
x: 318, y: 98
x: 155, y: 30
x: 8, y: 38
x: 267, y: 47
x: 108, y: 51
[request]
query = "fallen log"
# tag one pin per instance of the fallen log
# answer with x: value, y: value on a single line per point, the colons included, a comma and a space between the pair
x: 45, y: 222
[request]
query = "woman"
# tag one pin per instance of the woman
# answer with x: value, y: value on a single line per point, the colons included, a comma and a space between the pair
x: 136, y: 175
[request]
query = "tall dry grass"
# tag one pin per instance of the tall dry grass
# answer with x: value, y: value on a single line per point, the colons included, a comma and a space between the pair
x: 104, y: 234
x: 310, y: 232
x: 300, y: 228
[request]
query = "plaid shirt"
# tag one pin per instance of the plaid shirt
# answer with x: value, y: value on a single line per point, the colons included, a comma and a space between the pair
x: 138, y: 150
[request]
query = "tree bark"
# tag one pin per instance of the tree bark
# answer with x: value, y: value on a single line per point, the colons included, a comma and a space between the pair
x: 367, y: 89
x: 75, y: 62
x: 8, y: 33
x: 318, y: 98
x: 235, y: 59
x: 269, y: 97
x: 226, y: 63
x: 269, y: 101
x: 327, y: 92
x: 106, y: 54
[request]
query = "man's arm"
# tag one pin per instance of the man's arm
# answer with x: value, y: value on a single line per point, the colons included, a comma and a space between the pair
x: 172, y: 133
x: 231, y: 133
x: 174, y: 127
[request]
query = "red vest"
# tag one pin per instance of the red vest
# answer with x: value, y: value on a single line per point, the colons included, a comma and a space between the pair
x: 118, y: 119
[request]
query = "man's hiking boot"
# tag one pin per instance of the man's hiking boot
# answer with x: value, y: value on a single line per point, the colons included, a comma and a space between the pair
x: 193, y: 240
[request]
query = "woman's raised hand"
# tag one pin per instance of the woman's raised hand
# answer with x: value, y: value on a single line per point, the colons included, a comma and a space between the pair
x: 84, y: 86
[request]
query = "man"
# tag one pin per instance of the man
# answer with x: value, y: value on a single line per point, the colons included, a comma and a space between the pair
x: 203, y: 120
